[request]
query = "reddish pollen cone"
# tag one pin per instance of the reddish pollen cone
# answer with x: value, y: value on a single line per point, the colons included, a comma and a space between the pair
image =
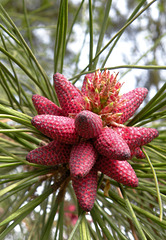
x: 137, y: 136
x: 70, y: 98
x: 120, y: 171
x: 57, y: 127
x: 88, y: 134
x: 82, y: 158
x: 88, y: 124
x: 45, y: 106
x: 50, y: 155
x: 85, y: 189
x: 129, y: 103
x: 111, y: 145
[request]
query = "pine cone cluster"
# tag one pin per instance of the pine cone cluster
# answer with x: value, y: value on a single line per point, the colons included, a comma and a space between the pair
x: 87, y: 132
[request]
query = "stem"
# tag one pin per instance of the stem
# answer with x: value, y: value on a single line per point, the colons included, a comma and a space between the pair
x: 156, y: 183
x: 91, y: 35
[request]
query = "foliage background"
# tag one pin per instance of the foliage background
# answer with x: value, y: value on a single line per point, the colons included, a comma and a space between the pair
x: 74, y: 37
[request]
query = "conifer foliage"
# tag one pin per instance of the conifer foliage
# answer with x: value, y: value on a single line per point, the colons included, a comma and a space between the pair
x: 78, y: 162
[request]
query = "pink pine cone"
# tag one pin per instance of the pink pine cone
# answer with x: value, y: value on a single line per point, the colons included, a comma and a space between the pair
x: 85, y: 189
x: 133, y: 100
x: 52, y: 154
x: 69, y: 96
x: 79, y: 138
x: 137, y: 136
x: 57, y: 127
x: 111, y: 145
x: 120, y: 171
x: 88, y: 124
x: 82, y: 158
x: 45, y: 106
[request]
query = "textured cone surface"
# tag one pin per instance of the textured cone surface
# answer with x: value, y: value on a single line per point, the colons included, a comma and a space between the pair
x: 120, y: 171
x: 45, y: 106
x: 88, y: 124
x: 133, y: 100
x: 137, y: 136
x: 111, y: 145
x: 137, y: 152
x: 85, y: 189
x: 56, y: 127
x: 69, y: 97
x: 88, y: 77
x: 52, y: 154
x: 82, y: 158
